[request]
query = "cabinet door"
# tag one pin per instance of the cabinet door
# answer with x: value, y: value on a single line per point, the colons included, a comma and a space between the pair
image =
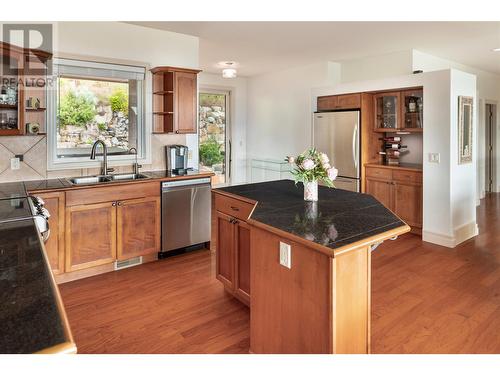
x: 90, y: 235
x: 348, y: 101
x: 138, y: 227
x: 387, y: 111
x: 242, y: 245
x: 54, y: 247
x: 185, y: 102
x: 408, y: 203
x: 225, y: 253
x: 325, y: 103
x: 380, y: 190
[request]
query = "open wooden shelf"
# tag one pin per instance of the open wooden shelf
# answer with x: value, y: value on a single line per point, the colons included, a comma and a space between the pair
x: 8, y: 106
x: 163, y: 92
x: 35, y: 109
x: 163, y: 113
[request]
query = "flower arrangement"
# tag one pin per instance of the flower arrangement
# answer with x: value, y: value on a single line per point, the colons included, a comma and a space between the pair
x: 312, y: 165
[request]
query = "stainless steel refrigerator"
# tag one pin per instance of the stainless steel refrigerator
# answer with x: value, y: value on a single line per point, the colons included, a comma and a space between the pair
x: 337, y: 134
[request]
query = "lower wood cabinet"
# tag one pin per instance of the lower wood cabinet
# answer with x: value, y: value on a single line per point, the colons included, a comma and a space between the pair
x: 54, y: 247
x: 398, y: 190
x: 233, y: 248
x: 90, y: 235
x: 101, y: 233
x: 138, y: 227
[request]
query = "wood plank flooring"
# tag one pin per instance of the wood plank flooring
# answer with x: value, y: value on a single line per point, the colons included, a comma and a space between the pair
x: 425, y: 299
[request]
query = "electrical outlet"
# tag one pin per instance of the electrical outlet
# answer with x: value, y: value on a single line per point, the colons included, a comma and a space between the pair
x: 15, y: 163
x: 285, y: 255
x: 434, y: 157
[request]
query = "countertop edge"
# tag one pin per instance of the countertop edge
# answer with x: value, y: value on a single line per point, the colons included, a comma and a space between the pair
x: 396, y: 167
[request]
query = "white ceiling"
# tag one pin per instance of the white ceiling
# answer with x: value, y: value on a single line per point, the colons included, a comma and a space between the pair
x: 261, y: 47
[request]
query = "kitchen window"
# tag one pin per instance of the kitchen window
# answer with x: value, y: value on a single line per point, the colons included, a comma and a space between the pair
x: 95, y: 101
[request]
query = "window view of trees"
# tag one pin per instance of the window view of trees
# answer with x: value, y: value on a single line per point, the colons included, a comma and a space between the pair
x: 89, y: 110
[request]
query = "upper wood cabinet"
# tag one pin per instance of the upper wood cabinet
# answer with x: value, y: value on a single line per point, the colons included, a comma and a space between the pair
x: 23, y: 77
x: 54, y: 247
x: 138, y: 227
x: 345, y: 101
x: 399, y: 111
x: 175, y: 98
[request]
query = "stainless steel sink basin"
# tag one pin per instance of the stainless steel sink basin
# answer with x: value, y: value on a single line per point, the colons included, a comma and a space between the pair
x: 88, y: 180
x: 127, y: 176
x: 91, y: 180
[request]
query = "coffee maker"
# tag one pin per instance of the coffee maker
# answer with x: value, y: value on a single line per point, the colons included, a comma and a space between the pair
x: 177, y: 158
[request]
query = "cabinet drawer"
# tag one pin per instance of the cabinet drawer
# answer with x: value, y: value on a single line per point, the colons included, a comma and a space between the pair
x: 383, y: 173
x: 233, y: 207
x: 112, y: 193
x: 348, y: 101
x: 407, y: 176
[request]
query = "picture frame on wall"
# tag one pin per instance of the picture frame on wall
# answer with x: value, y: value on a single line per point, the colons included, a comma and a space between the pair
x: 465, y: 115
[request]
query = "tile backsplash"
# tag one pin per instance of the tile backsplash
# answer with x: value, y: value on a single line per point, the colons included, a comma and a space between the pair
x: 34, y: 151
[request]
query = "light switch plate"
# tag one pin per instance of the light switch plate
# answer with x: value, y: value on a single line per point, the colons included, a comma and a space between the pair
x: 15, y: 163
x: 434, y: 157
x: 285, y: 255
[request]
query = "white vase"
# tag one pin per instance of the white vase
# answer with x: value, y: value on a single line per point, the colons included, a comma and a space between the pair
x: 311, y: 191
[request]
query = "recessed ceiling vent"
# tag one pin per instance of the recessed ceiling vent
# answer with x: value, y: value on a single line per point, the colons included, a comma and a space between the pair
x: 121, y: 264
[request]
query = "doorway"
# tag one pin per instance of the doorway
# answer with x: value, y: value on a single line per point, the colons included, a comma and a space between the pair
x: 490, y: 133
x: 214, y: 135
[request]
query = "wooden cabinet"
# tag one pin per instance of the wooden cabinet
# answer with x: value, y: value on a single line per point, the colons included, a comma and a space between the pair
x: 175, y: 98
x: 345, y: 101
x: 104, y: 228
x: 54, y: 247
x: 138, y: 227
x: 399, y: 190
x: 90, y: 235
x: 233, y: 245
x: 399, y: 110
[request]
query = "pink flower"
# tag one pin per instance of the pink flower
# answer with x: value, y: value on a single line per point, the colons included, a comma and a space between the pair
x: 308, y: 164
x: 332, y: 173
x: 324, y: 158
x: 290, y: 159
x: 326, y: 166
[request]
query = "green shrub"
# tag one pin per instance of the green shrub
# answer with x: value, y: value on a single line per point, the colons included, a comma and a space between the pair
x: 102, y: 126
x: 76, y: 109
x: 210, y: 152
x: 119, y: 101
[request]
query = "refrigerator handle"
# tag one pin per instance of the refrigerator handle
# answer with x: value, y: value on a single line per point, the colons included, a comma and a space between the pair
x: 354, y: 145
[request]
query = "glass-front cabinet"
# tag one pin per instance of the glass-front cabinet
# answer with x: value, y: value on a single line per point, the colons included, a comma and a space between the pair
x: 399, y: 111
x: 11, y: 112
x: 387, y: 111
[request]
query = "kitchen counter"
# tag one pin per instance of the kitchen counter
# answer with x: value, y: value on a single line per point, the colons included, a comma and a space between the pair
x: 31, y: 313
x: 339, y: 218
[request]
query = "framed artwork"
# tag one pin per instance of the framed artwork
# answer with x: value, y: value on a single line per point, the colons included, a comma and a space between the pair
x: 465, y: 113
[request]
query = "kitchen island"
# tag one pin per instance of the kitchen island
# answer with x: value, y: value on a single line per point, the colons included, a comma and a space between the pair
x: 314, y: 297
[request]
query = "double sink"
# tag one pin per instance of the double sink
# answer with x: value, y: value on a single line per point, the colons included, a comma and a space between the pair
x: 102, y: 179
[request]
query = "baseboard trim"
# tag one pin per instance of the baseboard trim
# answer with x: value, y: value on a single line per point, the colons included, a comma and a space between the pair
x: 461, y: 234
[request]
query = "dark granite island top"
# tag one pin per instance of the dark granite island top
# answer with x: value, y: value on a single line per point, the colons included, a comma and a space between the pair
x: 339, y: 218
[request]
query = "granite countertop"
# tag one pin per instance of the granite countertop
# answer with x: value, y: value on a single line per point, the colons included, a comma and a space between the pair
x: 29, y: 314
x: 30, y: 317
x: 339, y: 218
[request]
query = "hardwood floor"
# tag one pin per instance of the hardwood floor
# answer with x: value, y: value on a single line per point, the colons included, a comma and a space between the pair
x: 425, y: 299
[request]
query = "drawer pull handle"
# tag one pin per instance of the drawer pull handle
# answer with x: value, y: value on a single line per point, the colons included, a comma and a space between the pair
x: 234, y: 208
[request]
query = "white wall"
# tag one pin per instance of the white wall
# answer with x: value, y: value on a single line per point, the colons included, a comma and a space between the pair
x: 238, y: 119
x: 111, y: 42
x: 488, y: 91
x: 280, y: 112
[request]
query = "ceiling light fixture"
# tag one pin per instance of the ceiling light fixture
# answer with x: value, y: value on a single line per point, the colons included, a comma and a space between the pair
x: 228, y: 71
x: 496, y: 50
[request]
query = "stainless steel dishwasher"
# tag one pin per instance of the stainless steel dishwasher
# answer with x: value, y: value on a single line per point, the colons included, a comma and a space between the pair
x: 185, y: 213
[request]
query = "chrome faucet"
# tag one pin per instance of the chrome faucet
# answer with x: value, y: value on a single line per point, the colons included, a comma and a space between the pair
x: 136, y: 165
x: 104, y: 168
